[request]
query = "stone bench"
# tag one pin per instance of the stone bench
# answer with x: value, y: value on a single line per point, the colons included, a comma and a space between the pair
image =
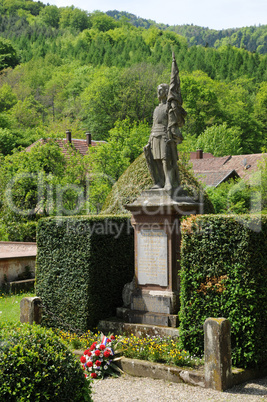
x: 26, y: 284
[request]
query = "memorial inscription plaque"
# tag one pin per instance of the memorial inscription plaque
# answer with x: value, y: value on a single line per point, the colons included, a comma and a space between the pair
x: 152, y: 257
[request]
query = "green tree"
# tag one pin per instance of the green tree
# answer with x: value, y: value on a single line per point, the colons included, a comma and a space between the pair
x: 41, y: 182
x: 260, y: 109
x: 138, y: 92
x: 200, y: 102
x: 101, y: 102
x: 71, y: 17
x: 50, y: 15
x: 231, y: 197
x: 129, y: 138
x: 236, y: 100
x: 108, y: 161
x: 102, y: 22
x: 27, y: 112
x: 8, y: 54
x: 7, y: 98
x: 8, y: 141
x: 220, y: 140
x: 258, y: 184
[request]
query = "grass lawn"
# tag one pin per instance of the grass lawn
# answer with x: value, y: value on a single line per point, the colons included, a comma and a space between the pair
x: 10, y: 306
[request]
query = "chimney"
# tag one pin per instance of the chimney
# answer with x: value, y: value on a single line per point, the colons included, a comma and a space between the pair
x: 88, y: 138
x: 199, y: 154
x: 68, y: 136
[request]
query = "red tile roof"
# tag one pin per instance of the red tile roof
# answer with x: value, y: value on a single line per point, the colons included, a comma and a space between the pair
x: 215, y: 178
x: 245, y: 165
x: 210, y: 164
x: 79, y: 145
x: 212, y: 169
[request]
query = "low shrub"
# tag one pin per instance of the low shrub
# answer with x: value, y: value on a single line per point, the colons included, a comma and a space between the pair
x: 35, y: 365
x: 20, y: 231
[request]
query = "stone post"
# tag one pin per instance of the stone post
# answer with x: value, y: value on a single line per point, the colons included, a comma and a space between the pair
x: 217, y: 351
x: 30, y: 310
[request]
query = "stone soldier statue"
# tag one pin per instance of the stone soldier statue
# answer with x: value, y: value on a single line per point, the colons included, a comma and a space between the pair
x: 161, y: 150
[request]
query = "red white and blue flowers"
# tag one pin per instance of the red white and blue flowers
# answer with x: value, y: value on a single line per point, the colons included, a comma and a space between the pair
x: 97, y: 361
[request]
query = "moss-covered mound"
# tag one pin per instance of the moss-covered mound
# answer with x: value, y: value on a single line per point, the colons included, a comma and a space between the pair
x: 137, y: 179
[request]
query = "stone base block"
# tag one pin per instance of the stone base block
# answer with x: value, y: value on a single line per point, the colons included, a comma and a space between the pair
x: 142, y: 368
x: 150, y: 318
x: 140, y: 330
x: 155, y: 302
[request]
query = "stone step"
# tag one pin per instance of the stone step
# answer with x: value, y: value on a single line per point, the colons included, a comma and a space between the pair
x: 116, y: 327
x: 147, y: 317
x: 151, y: 318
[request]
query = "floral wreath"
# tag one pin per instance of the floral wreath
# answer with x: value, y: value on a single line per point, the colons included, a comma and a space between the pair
x: 97, y: 361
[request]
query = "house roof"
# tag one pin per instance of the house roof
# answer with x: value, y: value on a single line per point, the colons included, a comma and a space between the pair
x: 213, y: 171
x: 78, y: 144
x: 245, y: 165
x: 213, y: 178
x: 210, y: 164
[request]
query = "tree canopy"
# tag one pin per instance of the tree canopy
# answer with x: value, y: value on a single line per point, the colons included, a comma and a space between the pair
x: 8, y: 54
x: 64, y: 68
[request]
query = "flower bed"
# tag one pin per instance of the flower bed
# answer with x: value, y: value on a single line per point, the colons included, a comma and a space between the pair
x: 154, y: 349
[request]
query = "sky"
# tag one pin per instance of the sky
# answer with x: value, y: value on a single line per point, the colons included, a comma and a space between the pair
x: 213, y: 14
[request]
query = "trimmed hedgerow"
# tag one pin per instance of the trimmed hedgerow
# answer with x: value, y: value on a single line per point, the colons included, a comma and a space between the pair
x: 36, y: 366
x: 82, y: 265
x: 224, y: 274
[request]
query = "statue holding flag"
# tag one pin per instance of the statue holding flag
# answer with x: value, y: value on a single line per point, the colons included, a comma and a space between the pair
x: 161, y: 150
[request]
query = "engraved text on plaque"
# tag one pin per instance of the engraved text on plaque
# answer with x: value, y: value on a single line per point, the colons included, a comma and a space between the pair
x: 152, y: 260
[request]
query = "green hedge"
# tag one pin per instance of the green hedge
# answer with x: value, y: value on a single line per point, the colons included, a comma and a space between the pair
x: 82, y: 266
x: 224, y: 274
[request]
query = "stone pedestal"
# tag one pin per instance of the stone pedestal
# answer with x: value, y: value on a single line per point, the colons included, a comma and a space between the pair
x: 156, y: 221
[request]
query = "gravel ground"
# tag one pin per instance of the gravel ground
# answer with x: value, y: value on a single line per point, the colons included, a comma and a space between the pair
x: 127, y: 388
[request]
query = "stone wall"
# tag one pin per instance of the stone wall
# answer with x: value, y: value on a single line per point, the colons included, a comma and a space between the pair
x: 16, y: 258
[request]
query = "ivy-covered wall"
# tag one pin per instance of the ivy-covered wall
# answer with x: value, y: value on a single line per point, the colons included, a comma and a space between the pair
x: 82, y: 265
x: 224, y: 274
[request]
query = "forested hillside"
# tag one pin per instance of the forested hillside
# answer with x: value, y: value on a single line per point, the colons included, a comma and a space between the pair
x: 253, y: 38
x: 89, y: 70
x: 64, y: 68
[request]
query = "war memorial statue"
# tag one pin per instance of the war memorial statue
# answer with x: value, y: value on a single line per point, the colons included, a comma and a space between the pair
x: 156, y: 216
x: 161, y: 150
